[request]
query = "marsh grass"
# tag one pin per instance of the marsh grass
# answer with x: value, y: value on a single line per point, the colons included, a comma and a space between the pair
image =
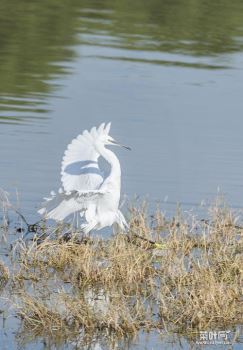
x: 4, y: 275
x: 181, y: 275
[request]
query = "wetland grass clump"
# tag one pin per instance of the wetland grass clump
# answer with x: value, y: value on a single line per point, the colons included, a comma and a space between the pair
x: 181, y: 275
x: 4, y: 275
x: 38, y: 317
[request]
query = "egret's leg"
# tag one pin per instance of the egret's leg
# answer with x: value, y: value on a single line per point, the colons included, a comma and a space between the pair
x: 121, y: 221
x: 86, y: 228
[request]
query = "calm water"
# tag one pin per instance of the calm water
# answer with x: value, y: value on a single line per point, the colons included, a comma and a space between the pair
x: 167, y: 74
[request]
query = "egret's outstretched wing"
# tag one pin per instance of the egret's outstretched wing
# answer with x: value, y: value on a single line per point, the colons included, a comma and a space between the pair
x: 80, y: 169
x: 61, y: 205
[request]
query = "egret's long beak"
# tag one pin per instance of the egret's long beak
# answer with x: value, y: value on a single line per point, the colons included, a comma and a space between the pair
x: 119, y: 144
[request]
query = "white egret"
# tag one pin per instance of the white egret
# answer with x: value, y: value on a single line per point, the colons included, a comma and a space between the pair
x: 84, y: 189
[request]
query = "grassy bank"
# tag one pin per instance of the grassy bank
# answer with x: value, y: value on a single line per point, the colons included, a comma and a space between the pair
x: 176, y: 276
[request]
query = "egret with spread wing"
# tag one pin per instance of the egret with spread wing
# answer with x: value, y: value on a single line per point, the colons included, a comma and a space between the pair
x: 84, y: 189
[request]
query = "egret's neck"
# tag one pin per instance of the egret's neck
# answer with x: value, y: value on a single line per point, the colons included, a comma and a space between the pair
x: 112, y: 159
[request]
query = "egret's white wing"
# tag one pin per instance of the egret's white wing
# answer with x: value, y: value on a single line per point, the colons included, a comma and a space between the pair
x: 81, y: 178
x: 61, y: 205
x: 80, y: 169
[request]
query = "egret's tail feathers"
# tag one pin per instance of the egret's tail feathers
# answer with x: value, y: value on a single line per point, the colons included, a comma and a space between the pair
x: 59, y: 213
x: 59, y: 206
x: 122, y: 221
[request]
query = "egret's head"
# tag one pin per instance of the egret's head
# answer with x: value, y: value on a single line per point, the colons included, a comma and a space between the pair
x: 104, y: 137
x: 111, y: 141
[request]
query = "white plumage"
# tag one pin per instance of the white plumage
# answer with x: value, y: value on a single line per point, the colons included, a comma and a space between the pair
x: 84, y: 189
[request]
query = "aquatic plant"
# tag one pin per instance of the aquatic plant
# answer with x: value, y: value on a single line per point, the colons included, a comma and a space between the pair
x: 191, y: 282
x: 180, y: 275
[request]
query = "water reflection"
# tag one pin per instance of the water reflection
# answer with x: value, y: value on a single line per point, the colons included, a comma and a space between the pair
x: 163, y: 62
x: 37, y: 37
x: 194, y: 27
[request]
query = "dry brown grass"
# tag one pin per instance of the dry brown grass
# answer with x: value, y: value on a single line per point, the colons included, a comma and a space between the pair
x: 189, y: 279
x: 4, y: 275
